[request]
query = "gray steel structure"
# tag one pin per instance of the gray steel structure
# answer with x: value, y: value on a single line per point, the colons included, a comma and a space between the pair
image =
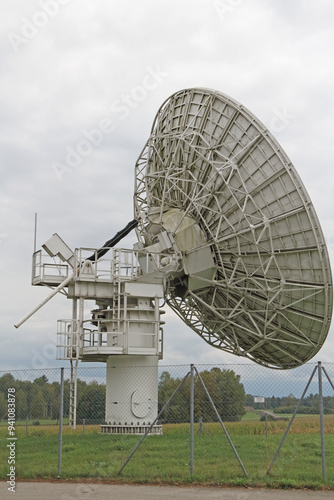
x: 227, y: 235
x: 253, y: 275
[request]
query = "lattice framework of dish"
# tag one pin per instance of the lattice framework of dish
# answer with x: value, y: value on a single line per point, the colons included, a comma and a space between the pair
x: 270, y: 298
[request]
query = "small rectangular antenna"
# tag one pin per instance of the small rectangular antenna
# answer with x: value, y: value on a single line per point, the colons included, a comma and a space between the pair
x: 35, y: 232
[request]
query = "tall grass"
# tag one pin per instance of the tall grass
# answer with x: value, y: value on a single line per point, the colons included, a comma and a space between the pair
x: 165, y: 459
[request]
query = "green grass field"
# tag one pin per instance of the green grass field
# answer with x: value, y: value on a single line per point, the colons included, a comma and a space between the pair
x: 165, y: 459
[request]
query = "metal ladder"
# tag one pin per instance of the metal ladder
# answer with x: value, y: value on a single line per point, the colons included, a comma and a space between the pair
x: 73, y: 394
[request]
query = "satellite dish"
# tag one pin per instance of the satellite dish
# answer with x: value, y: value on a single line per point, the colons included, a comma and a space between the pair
x: 253, y: 275
x: 227, y: 235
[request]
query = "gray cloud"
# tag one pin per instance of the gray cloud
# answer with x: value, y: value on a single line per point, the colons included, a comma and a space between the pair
x: 88, y: 63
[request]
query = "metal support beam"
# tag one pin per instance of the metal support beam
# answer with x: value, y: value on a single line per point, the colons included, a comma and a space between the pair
x: 61, y: 411
x: 221, y: 423
x: 322, y: 429
x: 292, y: 419
x: 191, y: 419
x: 154, y: 421
x: 52, y: 294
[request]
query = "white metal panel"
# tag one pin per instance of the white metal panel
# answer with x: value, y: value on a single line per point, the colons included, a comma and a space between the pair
x: 132, y: 390
x: 56, y: 246
x: 144, y: 289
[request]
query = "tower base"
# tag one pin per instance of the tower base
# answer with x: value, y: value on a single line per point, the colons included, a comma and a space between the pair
x: 131, y: 391
x: 136, y: 430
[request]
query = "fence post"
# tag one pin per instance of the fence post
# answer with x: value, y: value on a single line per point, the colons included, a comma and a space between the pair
x: 322, y: 431
x: 83, y: 426
x: 221, y: 422
x: 292, y: 419
x: 61, y: 411
x: 27, y: 426
x: 191, y: 419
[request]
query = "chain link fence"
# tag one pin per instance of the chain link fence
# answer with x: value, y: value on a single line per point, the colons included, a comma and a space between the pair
x: 207, y: 417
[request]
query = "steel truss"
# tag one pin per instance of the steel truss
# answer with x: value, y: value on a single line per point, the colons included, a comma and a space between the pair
x: 271, y: 297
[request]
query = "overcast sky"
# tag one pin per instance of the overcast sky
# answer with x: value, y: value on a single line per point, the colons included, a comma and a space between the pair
x: 70, y: 68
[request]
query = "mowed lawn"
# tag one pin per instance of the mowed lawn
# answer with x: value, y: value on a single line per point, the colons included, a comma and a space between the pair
x: 166, y: 458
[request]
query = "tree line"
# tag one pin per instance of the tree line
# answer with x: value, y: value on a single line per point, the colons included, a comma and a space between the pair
x: 40, y: 399
x: 287, y: 404
x: 224, y: 387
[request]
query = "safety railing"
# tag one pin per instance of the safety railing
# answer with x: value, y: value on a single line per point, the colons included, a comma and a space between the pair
x: 48, y: 270
x: 68, y: 339
x: 91, y: 342
x: 124, y: 264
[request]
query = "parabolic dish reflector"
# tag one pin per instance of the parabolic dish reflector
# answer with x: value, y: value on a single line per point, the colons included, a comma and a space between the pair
x: 255, y: 278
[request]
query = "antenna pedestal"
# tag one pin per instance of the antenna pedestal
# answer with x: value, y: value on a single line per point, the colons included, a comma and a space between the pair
x: 131, y: 395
